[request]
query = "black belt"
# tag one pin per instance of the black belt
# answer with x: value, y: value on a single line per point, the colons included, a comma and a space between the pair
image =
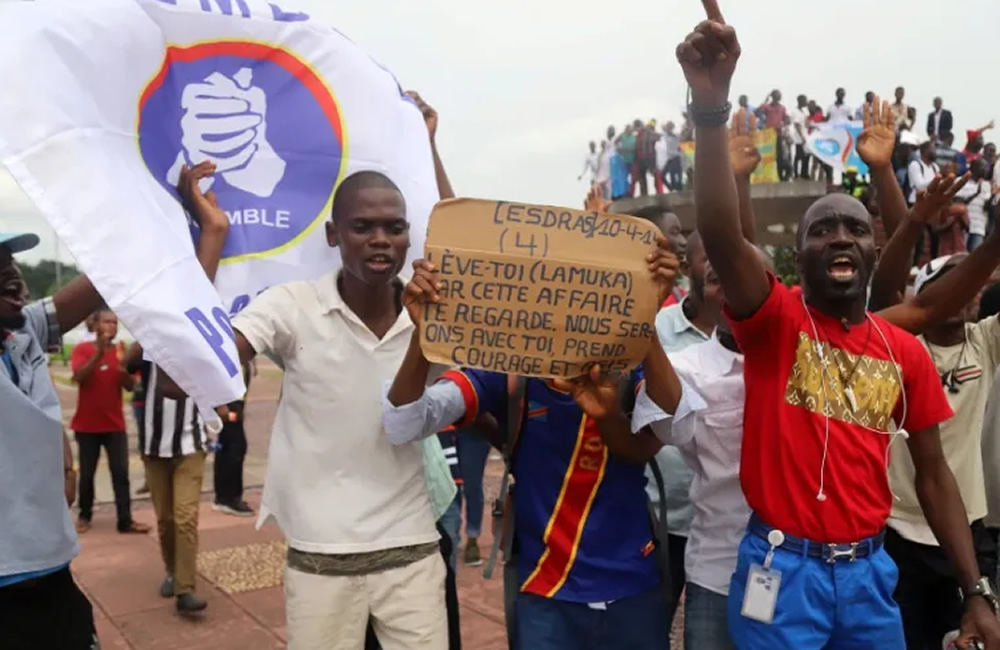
x: 829, y: 553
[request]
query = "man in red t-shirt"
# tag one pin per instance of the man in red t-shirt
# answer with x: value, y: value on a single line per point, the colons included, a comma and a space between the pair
x: 100, y: 422
x: 825, y: 383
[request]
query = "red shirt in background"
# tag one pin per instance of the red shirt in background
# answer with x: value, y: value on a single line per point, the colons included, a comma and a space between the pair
x: 785, y: 426
x: 774, y: 115
x: 99, y: 407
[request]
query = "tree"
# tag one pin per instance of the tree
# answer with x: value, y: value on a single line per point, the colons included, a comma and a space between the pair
x: 784, y: 264
x: 41, y: 277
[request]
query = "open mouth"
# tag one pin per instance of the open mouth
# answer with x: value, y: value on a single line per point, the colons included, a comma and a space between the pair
x: 380, y: 263
x: 842, y: 268
x: 12, y: 292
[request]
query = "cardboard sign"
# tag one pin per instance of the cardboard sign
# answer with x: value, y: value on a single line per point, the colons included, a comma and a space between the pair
x: 538, y: 291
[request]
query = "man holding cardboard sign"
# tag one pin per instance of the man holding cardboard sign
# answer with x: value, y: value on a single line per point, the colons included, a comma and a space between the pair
x: 586, y: 552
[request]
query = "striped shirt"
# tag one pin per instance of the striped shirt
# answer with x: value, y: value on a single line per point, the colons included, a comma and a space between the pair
x: 172, y: 428
x: 449, y: 444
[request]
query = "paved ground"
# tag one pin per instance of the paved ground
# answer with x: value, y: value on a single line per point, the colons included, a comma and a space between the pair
x: 239, y: 568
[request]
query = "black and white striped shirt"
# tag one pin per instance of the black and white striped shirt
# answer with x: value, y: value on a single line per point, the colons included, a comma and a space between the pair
x: 172, y: 427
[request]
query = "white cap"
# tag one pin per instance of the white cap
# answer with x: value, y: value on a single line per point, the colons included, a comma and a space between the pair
x: 930, y: 271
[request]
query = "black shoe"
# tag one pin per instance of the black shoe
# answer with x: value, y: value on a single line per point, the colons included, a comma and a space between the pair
x: 235, y: 508
x: 167, y: 588
x: 189, y: 603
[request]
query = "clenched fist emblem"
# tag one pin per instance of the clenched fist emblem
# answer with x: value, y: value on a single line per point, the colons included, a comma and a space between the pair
x: 225, y: 122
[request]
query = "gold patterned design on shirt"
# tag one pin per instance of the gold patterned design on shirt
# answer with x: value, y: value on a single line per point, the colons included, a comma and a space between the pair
x: 875, y: 383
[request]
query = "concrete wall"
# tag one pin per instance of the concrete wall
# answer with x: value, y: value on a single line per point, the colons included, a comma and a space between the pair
x: 777, y: 208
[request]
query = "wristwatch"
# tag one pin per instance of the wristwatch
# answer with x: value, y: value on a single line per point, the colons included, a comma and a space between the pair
x: 981, y: 588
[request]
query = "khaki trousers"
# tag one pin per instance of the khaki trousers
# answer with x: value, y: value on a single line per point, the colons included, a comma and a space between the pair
x: 175, y: 489
x: 406, y: 606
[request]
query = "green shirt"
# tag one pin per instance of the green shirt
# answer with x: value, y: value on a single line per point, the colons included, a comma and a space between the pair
x: 441, y: 488
x: 628, y: 148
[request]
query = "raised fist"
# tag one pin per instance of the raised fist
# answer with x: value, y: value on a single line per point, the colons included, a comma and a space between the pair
x: 225, y: 123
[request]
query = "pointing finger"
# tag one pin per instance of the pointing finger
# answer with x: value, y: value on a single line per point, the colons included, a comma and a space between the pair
x: 712, y: 10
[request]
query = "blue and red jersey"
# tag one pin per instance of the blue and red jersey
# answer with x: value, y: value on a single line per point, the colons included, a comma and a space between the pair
x: 581, y: 521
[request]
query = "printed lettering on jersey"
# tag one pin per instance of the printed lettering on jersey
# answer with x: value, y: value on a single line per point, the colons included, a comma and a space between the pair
x: 265, y: 118
x: 874, y: 382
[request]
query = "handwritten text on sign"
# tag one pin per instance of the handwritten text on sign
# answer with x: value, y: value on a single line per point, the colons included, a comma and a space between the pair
x: 538, y: 291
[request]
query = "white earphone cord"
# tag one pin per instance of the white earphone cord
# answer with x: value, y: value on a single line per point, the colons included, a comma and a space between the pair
x: 821, y: 495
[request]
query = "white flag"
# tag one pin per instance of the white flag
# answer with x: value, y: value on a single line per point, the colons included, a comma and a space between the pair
x: 117, y: 95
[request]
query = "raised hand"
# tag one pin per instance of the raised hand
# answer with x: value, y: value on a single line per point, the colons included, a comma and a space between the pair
x: 596, y: 393
x: 877, y: 141
x: 742, y: 149
x: 708, y: 57
x: 664, y: 267
x: 423, y: 288
x: 430, y: 115
x: 202, y: 206
x: 939, y: 193
x: 103, y: 340
x: 595, y: 201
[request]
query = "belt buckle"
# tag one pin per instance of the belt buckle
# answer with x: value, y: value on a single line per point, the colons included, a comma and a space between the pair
x: 834, y: 553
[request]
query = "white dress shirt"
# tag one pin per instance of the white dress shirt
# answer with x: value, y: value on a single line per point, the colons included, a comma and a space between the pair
x: 709, y: 435
x: 675, y: 332
x: 841, y: 113
x: 920, y: 174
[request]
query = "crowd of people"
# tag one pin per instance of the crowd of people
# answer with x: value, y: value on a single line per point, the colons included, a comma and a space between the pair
x: 803, y: 467
x: 624, y: 162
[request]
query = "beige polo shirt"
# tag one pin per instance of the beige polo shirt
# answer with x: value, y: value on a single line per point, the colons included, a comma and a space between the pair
x: 974, y: 366
x: 334, y: 482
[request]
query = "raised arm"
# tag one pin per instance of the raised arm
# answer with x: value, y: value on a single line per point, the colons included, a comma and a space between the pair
x: 411, y: 410
x: 893, y: 271
x: 744, y: 157
x: 875, y: 146
x: 708, y: 57
x: 411, y: 378
x: 951, y: 293
x: 214, y: 226
x: 431, y: 120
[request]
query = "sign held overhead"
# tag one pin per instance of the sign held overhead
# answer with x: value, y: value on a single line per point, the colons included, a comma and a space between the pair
x: 538, y: 291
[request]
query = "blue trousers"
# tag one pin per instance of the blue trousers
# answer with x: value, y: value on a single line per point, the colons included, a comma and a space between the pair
x: 635, y: 623
x: 705, y: 619
x: 473, y: 450
x: 842, y: 606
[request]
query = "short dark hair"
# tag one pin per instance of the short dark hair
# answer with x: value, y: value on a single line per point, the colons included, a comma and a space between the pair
x: 989, y: 302
x: 361, y: 181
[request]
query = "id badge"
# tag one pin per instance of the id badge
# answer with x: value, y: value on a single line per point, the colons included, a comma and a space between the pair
x: 761, y: 595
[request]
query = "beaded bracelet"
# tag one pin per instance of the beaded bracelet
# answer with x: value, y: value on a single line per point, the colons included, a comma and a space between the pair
x: 710, y: 117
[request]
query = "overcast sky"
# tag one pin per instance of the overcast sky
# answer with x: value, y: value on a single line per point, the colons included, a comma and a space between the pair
x: 522, y: 85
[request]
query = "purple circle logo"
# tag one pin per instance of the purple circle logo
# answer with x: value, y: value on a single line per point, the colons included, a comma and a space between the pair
x: 268, y: 122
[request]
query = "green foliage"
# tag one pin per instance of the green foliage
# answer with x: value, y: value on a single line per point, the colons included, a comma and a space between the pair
x: 784, y: 262
x: 41, y: 277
